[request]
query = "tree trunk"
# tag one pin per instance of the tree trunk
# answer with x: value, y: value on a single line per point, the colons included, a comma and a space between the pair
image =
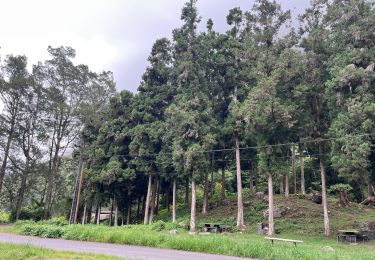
x: 193, y: 205
x: 78, y: 180
x: 143, y: 206
x: 294, y: 170
x: 50, y: 182
x: 89, y: 212
x: 223, y: 181
x: 174, y: 200
x: 99, y: 214
x: 78, y: 193
x: 115, y: 221
x: 21, y: 191
x: 84, y: 214
x: 153, y: 198
x: 302, y: 160
x: 147, y: 205
x: 287, y: 186
x: 212, y: 186
x: 96, y: 213
x: 344, y: 201
x: 271, y: 225
x: 370, y: 191
x: 187, y: 192
x: 128, y: 217
x: 251, y: 179
x: 205, y: 195
x: 111, y: 213
x: 157, y: 196
x: 256, y: 177
x: 138, y: 207
x: 240, y: 218
x: 324, y: 190
x: 282, y: 185
x: 6, y: 152
x: 167, y: 198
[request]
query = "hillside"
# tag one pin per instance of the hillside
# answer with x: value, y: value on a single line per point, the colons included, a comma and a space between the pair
x: 300, y: 215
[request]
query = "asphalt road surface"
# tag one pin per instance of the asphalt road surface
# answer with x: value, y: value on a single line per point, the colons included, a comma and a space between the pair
x: 132, y: 252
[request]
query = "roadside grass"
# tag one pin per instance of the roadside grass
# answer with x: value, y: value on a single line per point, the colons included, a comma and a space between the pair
x: 235, y: 244
x: 15, y: 252
x: 302, y: 220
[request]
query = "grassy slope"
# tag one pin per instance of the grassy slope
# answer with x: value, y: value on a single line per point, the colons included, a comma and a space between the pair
x: 302, y: 216
x: 11, y: 251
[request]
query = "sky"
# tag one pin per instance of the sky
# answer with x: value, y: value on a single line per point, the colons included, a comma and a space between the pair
x: 115, y: 35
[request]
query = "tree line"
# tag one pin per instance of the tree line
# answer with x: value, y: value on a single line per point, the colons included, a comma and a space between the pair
x: 262, y: 98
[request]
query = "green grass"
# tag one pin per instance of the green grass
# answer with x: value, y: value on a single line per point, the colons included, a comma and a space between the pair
x: 236, y: 244
x: 302, y: 217
x: 15, y: 252
x: 302, y: 221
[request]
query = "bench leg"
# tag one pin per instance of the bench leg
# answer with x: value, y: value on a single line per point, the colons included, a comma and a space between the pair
x: 272, y: 242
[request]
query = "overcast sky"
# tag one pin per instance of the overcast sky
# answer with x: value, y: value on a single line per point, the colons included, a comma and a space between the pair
x: 115, y: 35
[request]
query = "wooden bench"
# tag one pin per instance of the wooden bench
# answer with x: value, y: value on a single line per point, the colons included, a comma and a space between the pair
x: 284, y: 240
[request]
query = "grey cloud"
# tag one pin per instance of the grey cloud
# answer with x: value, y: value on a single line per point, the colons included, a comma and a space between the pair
x: 144, y: 30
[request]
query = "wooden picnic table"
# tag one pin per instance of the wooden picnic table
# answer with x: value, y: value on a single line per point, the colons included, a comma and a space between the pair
x: 216, y: 227
x: 350, y: 235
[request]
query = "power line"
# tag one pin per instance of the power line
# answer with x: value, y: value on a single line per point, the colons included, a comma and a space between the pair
x: 254, y: 147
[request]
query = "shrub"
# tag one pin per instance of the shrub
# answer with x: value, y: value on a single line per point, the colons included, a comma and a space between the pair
x: 28, y: 214
x: 58, y: 221
x: 4, y: 217
x: 158, y: 226
x: 49, y: 231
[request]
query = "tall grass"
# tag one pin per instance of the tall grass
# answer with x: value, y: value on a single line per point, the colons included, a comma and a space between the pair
x: 236, y: 244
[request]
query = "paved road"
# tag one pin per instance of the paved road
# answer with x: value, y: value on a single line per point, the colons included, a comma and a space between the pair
x: 132, y: 252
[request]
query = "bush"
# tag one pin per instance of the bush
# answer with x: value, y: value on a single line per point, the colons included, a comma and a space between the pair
x: 49, y: 231
x: 28, y: 214
x: 183, y: 223
x: 158, y: 226
x: 58, y: 221
x: 4, y: 217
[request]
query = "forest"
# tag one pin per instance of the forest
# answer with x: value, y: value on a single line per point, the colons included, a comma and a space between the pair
x: 265, y: 107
